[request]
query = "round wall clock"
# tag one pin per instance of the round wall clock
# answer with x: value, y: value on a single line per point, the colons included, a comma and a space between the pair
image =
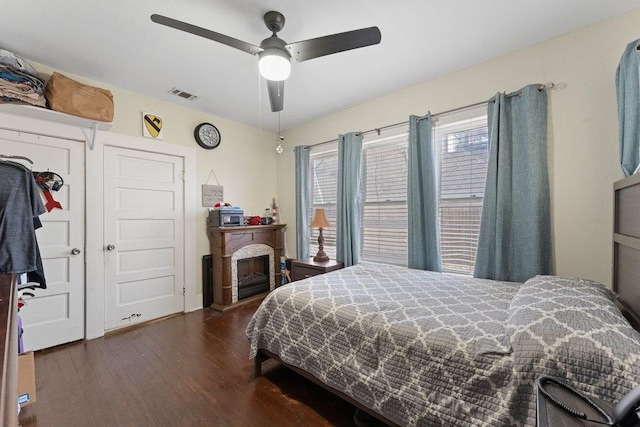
x: 207, y: 135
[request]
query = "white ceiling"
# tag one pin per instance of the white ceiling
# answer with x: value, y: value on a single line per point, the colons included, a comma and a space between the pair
x: 115, y: 42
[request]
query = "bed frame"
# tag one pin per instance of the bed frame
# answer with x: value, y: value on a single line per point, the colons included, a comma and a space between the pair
x: 263, y: 355
x: 626, y: 247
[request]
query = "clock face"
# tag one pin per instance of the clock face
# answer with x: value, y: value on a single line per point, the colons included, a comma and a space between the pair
x: 207, y: 135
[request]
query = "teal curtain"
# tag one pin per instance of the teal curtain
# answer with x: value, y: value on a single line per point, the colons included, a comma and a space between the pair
x: 515, y: 230
x: 422, y: 197
x: 349, y: 217
x: 628, y: 91
x: 303, y: 202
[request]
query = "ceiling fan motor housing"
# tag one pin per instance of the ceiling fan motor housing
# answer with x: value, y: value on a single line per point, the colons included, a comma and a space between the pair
x: 274, y: 42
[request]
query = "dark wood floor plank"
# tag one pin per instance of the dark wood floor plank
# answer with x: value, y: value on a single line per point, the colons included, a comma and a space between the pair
x: 168, y: 385
x: 68, y: 375
x: 193, y: 378
x: 131, y: 372
x: 55, y: 381
x: 189, y: 370
x: 78, y: 413
x: 105, y: 385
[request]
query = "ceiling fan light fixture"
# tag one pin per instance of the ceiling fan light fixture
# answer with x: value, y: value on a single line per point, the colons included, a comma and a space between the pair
x: 275, y: 54
x: 274, y: 65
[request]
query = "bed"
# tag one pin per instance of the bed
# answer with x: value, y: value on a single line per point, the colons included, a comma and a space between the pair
x: 417, y: 348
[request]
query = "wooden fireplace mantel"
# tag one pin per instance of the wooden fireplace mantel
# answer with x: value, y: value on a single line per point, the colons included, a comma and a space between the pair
x: 224, y: 241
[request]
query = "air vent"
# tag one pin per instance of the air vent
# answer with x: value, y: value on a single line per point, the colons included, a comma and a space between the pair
x: 182, y: 94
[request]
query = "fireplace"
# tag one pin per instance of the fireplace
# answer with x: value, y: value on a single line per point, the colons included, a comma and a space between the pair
x: 245, y: 263
x: 253, y: 276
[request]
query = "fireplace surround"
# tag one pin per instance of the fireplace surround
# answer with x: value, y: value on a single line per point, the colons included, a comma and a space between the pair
x: 230, y: 245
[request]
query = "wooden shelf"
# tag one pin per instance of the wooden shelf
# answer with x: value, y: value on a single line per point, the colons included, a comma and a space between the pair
x: 57, y: 117
x: 53, y: 116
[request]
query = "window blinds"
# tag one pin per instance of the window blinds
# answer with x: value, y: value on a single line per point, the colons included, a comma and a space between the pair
x: 463, y: 168
x: 385, y: 201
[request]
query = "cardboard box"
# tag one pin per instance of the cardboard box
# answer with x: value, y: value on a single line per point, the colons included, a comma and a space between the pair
x: 26, y: 379
x: 71, y: 97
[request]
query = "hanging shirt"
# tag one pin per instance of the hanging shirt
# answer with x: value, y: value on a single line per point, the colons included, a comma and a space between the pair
x: 20, y: 204
x: 36, y: 278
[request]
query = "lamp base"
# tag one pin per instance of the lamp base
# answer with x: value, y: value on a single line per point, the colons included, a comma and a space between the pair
x: 321, y: 257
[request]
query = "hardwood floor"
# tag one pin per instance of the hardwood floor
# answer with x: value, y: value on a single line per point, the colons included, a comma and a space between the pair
x: 189, y: 370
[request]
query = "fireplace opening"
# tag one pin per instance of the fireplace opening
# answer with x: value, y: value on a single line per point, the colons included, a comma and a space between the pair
x: 253, y: 276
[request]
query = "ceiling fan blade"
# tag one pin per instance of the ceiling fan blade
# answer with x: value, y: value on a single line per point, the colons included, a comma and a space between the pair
x: 207, y: 34
x: 334, y: 43
x: 276, y: 94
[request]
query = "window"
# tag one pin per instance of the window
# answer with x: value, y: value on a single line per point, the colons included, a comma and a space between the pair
x: 384, y: 199
x: 463, y: 148
x: 462, y: 152
x: 324, y: 194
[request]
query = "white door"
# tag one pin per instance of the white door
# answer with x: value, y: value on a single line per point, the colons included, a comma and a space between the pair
x: 56, y: 314
x: 144, y: 236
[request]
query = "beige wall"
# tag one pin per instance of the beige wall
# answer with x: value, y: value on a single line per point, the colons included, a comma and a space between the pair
x: 244, y: 163
x: 583, y: 148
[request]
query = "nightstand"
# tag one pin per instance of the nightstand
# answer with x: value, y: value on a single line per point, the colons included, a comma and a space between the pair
x: 303, y: 268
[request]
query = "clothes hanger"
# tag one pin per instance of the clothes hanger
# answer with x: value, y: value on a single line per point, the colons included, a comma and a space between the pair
x: 16, y: 164
x: 11, y: 156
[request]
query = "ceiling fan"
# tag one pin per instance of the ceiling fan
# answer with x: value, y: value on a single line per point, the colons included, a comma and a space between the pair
x: 275, y: 54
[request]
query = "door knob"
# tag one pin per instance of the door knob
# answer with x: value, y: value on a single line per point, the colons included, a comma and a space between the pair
x: 111, y: 247
x: 75, y: 251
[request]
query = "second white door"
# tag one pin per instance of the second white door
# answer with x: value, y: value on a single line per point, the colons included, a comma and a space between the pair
x: 143, y: 236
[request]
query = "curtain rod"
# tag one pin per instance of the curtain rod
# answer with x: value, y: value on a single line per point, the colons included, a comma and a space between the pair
x: 545, y: 86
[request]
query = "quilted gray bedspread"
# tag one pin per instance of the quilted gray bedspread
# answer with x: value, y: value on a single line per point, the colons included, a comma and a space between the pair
x: 430, y: 349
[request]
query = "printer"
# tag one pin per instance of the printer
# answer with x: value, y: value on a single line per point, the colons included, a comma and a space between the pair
x: 225, y: 217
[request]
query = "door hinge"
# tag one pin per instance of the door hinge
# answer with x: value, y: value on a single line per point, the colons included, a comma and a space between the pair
x: 184, y: 291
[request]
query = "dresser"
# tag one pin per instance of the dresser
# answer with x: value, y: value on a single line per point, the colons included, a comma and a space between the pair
x: 626, y: 246
x: 9, y: 348
x: 303, y: 268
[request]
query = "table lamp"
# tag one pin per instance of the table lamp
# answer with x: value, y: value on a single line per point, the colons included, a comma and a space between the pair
x: 320, y: 221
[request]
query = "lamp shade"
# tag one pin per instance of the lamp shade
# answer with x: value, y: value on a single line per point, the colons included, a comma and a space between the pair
x: 320, y: 219
x: 274, y: 65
